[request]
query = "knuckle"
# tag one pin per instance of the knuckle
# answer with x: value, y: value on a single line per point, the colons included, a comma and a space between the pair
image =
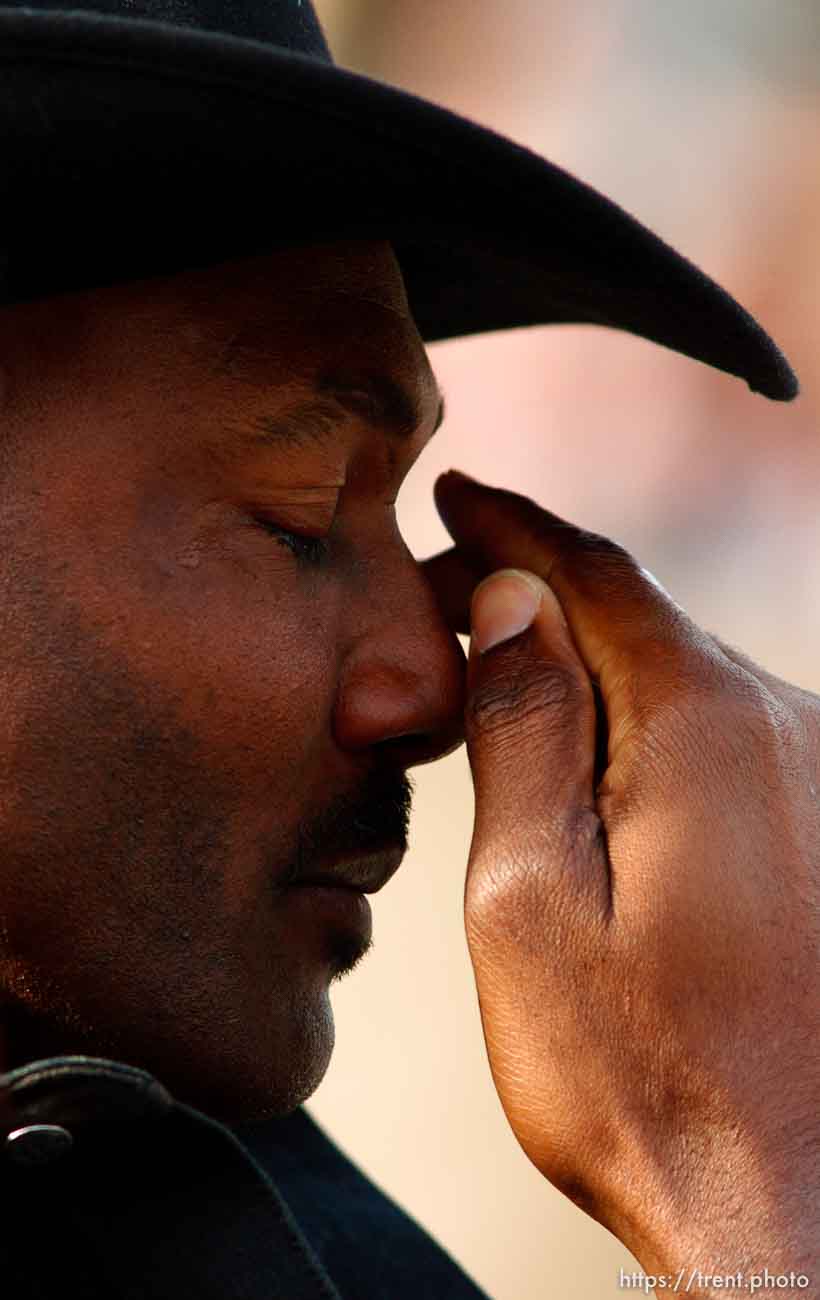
x: 507, y: 905
x: 569, y: 543
x: 752, y: 717
x: 527, y: 695
x: 767, y: 736
x: 742, y: 734
x: 520, y: 881
x: 582, y: 546
x: 493, y: 896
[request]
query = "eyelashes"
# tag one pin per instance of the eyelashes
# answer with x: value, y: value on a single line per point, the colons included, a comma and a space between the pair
x: 308, y: 550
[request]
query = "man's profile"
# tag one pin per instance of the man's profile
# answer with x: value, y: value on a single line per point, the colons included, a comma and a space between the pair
x: 220, y: 660
x: 236, y: 633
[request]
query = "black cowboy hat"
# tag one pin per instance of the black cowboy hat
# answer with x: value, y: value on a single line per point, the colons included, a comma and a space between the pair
x: 147, y: 137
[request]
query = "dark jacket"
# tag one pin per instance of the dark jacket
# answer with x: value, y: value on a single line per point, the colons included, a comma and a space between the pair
x: 112, y: 1190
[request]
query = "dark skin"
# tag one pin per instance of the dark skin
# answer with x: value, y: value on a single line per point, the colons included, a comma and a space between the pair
x: 194, y: 707
x: 189, y: 702
x: 642, y: 900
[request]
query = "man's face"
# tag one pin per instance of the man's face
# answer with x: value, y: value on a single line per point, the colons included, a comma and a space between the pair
x: 218, y: 660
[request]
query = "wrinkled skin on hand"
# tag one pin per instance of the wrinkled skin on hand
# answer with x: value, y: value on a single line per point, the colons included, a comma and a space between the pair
x: 645, y: 928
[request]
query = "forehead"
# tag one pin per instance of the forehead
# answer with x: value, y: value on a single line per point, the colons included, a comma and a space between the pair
x: 305, y: 314
x: 222, y: 348
x: 294, y: 311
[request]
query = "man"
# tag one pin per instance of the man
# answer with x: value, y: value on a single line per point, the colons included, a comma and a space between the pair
x: 219, y: 661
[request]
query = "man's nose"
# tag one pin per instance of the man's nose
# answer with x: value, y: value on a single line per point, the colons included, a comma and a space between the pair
x: 402, y: 681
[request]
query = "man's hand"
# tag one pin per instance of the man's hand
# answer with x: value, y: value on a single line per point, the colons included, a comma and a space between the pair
x: 642, y: 901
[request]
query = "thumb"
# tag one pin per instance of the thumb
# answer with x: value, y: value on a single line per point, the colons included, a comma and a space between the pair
x: 530, y: 727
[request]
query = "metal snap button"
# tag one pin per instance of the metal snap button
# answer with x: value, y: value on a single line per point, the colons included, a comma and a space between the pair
x: 38, y: 1144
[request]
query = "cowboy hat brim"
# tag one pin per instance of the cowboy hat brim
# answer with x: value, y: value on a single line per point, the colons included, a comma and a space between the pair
x: 133, y: 149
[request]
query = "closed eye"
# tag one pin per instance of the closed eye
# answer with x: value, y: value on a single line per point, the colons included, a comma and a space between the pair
x: 310, y: 550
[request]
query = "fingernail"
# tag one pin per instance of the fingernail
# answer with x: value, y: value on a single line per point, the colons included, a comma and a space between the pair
x: 503, y: 606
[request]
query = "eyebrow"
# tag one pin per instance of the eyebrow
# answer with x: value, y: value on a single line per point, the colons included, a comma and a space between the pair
x: 378, y: 399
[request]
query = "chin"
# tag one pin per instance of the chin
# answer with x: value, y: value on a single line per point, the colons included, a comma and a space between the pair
x: 242, y: 1059
x: 256, y: 1081
x: 258, y: 1101
x: 235, y: 1071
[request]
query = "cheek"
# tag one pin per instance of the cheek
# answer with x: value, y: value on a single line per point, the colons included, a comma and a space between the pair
x: 252, y: 670
x: 245, y: 668
x: 190, y: 741
x: 238, y: 653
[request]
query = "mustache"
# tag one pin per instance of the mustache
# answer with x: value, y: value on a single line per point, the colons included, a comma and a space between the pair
x: 375, y: 816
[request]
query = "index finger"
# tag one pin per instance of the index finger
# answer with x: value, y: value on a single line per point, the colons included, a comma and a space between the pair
x: 632, y: 636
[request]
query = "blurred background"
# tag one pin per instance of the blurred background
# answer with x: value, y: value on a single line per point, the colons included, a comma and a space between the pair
x: 702, y: 119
